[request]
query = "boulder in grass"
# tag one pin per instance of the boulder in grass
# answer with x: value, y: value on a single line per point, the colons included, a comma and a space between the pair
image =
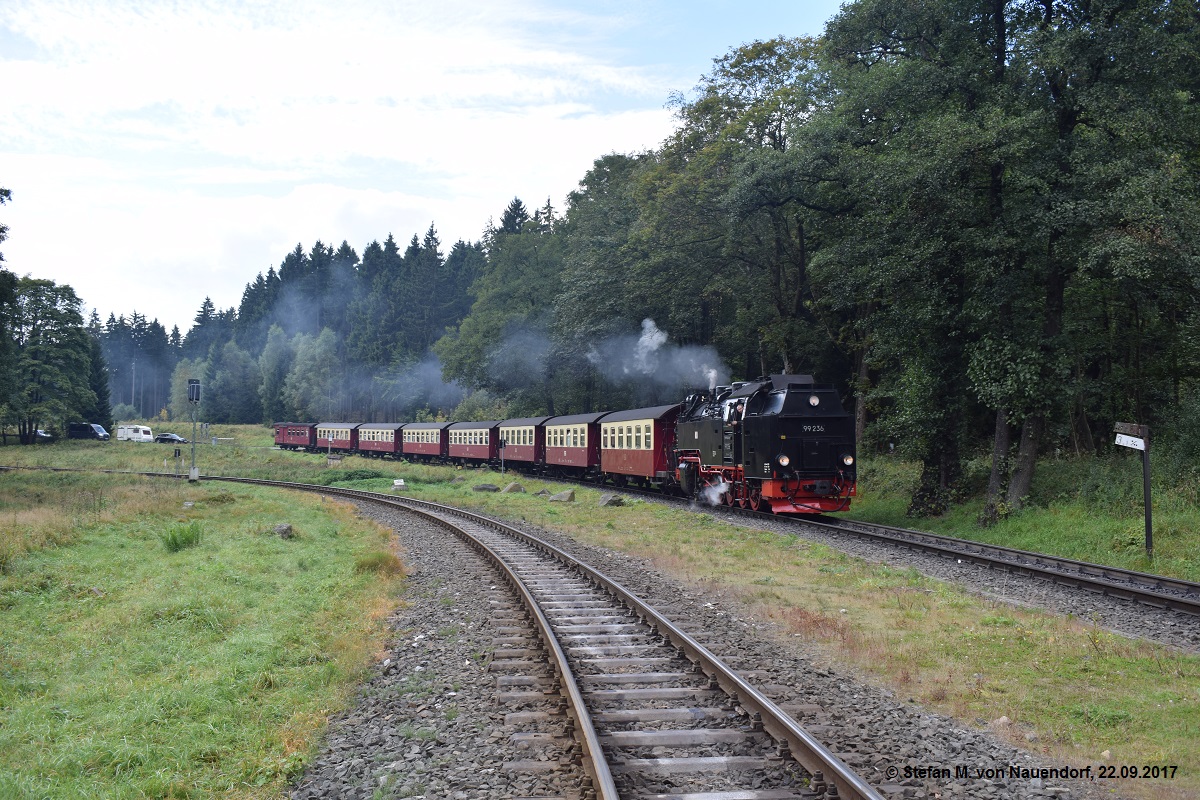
x: 513, y: 488
x: 486, y: 487
x: 542, y: 493
x: 284, y: 531
x: 612, y: 500
x: 563, y: 497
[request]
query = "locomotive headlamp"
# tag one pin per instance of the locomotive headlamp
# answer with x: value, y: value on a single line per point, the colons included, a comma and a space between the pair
x: 847, y: 460
x: 783, y: 460
x: 813, y: 400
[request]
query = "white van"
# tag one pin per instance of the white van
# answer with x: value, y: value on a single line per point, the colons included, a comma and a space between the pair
x: 134, y: 433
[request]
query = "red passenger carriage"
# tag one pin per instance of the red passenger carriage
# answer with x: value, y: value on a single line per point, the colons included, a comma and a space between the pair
x: 573, y: 444
x: 295, y: 435
x: 425, y: 441
x: 337, y: 436
x: 524, y: 442
x: 474, y: 442
x: 636, y: 446
x: 380, y: 439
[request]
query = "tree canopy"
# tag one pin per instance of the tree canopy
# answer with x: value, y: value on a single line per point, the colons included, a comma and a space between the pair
x: 977, y: 219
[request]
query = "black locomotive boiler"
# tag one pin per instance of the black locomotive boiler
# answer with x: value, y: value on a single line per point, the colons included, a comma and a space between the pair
x: 780, y: 443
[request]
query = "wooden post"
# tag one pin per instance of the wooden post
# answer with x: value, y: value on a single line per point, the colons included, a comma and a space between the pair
x: 1138, y: 437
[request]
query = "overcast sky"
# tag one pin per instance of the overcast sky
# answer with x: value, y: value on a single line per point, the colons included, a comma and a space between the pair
x: 160, y: 152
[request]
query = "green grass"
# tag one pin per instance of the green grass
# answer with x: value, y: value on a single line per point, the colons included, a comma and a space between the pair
x: 1081, y: 508
x: 130, y: 669
x: 181, y: 537
x: 1079, y: 689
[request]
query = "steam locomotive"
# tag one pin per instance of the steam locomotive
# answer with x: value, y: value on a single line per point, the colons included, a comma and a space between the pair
x: 780, y: 444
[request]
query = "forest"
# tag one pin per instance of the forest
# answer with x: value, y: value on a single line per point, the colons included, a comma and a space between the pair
x: 978, y: 218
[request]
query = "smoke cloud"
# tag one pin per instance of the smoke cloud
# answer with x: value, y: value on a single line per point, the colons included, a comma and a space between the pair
x: 421, y: 385
x: 519, y: 362
x: 665, y: 370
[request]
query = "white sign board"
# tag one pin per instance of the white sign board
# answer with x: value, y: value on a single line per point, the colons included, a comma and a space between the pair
x: 1131, y: 441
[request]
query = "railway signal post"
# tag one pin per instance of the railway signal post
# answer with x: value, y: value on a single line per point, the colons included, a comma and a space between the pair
x: 194, y: 400
x: 1138, y: 438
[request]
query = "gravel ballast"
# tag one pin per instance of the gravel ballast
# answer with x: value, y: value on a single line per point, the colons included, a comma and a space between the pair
x: 427, y: 723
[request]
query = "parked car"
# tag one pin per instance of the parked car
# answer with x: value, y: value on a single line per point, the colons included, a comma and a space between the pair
x: 42, y: 436
x: 86, y: 430
x: 170, y: 438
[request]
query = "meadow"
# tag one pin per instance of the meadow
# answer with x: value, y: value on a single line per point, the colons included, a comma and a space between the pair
x: 161, y: 639
x: 1068, y: 688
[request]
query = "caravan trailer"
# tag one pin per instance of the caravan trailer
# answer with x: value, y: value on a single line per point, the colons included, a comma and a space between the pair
x: 134, y: 433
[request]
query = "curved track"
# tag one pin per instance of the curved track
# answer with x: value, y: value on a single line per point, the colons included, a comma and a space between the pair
x: 1152, y: 590
x: 644, y: 676
x: 1157, y: 591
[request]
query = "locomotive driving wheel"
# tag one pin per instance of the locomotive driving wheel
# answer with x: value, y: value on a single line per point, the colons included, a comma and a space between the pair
x: 755, y: 501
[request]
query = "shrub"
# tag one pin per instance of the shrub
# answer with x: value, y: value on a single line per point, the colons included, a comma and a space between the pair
x: 181, y: 536
x: 383, y: 563
x: 345, y: 476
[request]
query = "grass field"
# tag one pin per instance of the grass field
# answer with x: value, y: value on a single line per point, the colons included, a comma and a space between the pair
x: 1070, y: 690
x: 161, y: 640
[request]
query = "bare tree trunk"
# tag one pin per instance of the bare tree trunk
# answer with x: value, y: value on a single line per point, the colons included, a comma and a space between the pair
x: 1022, y: 475
x: 1081, y: 431
x: 860, y: 399
x: 1000, y: 445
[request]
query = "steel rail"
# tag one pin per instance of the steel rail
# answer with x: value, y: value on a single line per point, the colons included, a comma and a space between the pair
x: 805, y: 748
x: 802, y: 745
x: 594, y: 762
x: 1153, y: 590
x: 1157, y: 591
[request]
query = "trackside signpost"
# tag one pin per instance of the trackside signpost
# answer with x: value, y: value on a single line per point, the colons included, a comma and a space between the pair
x: 1138, y: 438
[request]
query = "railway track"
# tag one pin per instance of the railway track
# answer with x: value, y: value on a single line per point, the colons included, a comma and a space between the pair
x: 400, y: 738
x: 1157, y: 591
x: 654, y: 715
x: 1141, y: 587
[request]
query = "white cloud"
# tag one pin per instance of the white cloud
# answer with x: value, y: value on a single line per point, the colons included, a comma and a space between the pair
x: 160, y: 152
